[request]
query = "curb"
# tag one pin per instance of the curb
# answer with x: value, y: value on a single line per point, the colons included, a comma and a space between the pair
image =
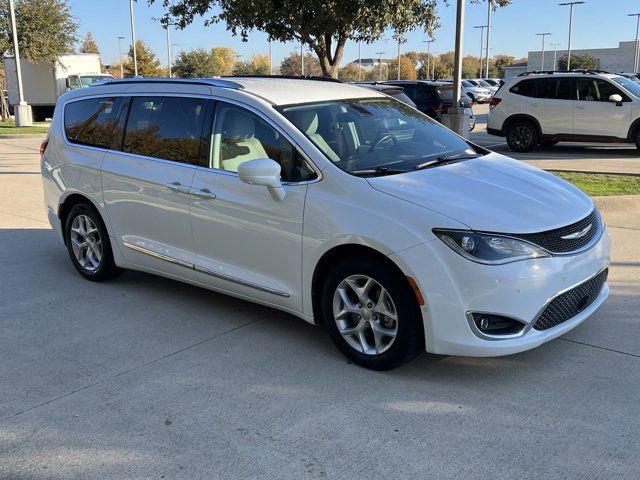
x: 22, y: 135
x: 617, y: 203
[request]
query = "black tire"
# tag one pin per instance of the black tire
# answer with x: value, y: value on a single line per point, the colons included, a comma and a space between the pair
x: 409, y: 339
x: 106, y: 268
x: 522, y: 136
x: 548, y: 143
x: 637, y: 139
x: 472, y: 97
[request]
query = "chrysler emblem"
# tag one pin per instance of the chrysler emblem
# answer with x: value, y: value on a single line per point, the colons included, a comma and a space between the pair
x: 578, y: 234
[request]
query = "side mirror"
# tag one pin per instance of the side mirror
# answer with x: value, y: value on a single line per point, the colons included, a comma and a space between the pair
x: 616, y: 98
x: 265, y: 172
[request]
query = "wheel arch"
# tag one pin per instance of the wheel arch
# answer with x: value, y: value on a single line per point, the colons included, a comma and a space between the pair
x: 340, y: 252
x: 633, y: 130
x: 520, y: 117
x: 69, y: 202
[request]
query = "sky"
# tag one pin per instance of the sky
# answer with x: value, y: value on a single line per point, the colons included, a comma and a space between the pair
x: 596, y: 24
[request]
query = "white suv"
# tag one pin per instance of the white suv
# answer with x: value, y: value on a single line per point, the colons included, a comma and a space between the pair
x: 578, y: 106
x: 329, y: 201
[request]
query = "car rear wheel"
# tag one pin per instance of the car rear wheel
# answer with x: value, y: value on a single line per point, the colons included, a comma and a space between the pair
x: 88, y: 244
x: 637, y: 140
x: 372, y: 316
x: 522, y: 136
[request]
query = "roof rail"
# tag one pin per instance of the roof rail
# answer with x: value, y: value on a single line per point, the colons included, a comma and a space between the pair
x: 551, y: 72
x: 289, y: 77
x: 211, y: 82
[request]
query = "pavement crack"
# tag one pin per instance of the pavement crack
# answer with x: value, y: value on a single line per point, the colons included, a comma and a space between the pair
x: 132, y: 369
x: 601, y: 348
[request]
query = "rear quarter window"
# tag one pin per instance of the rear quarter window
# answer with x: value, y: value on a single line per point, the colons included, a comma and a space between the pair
x: 525, y: 88
x: 92, y: 121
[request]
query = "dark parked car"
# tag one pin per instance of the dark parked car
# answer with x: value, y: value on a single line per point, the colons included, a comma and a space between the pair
x: 433, y: 98
x: 391, y: 90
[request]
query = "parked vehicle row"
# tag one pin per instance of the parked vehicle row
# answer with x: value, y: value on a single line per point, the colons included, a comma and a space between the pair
x: 580, y: 106
x: 336, y: 203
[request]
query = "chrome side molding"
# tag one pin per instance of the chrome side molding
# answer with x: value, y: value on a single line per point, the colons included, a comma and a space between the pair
x: 191, y: 266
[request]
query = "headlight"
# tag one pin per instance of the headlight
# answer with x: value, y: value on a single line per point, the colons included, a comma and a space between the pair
x: 489, y: 249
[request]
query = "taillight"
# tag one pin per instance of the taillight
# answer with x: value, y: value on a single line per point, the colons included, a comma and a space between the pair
x: 43, y: 146
x: 494, y: 101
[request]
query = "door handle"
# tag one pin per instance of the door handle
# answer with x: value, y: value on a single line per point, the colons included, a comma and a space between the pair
x: 534, y: 105
x: 177, y: 187
x: 205, y: 193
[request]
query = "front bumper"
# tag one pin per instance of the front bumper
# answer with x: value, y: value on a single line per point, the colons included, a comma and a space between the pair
x: 453, y: 286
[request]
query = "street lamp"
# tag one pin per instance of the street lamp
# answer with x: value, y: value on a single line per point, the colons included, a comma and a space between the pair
x: 120, y: 54
x: 570, y: 4
x: 481, y: 27
x: 302, y: 57
x: 23, y: 110
x: 380, y: 62
x: 359, y: 60
x: 428, y: 42
x: 270, y: 56
x: 133, y: 40
x: 489, y: 2
x: 555, y: 54
x: 169, y: 55
x: 543, y: 35
x: 635, y: 53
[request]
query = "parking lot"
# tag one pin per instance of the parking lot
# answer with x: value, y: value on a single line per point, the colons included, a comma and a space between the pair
x: 143, y: 377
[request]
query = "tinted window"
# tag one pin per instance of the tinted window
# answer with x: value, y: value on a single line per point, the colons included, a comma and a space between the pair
x: 424, y: 93
x: 630, y: 85
x: 445, y: 93
x: 166, y: 127
x: 91, y: 122
x: 525, y: 88
x: 554, y: 88
x: 596, y: 90
x: 240, y: 136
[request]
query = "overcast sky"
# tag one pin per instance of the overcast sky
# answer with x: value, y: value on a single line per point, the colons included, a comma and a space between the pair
x: 598, y: 23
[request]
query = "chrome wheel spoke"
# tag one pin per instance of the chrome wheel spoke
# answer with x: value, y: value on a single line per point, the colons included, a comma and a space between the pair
x: 365, y: 314
x: 86, y: 243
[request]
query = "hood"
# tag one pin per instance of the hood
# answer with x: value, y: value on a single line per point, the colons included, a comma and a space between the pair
x: 491, y: 193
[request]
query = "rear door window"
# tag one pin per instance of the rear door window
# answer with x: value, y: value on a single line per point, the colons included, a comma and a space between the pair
x: 92, y: 121
x: 554, y: 88
x: 169, y: 128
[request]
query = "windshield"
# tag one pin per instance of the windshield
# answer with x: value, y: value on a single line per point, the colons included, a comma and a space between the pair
x: 482, y: 83
x: 377, y: 136
x: 630, y: 85
x: 89, y: 79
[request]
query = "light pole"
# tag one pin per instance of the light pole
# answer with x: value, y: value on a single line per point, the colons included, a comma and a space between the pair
x: 555, y: 54
x: 302, y: 57
x: 481, y: 27
x: 543, y: 35
x: 380, y: 62
x: 570, y: 4
x: 270, y: 57
x: 488, y: 35
x: 428, y: 42
x: 23, y: 116
x: 398, y: 58
x: 359, y: 61
x: 120, y: 55
x: 133, y: 40
x: 635, y: 53
x: 169, y: 49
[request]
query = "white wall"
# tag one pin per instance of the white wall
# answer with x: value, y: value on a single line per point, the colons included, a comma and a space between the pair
x: 619, y: 59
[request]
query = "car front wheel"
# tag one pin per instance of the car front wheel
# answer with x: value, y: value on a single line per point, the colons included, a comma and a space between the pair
x: 522, y: 136
x: 371, y: 314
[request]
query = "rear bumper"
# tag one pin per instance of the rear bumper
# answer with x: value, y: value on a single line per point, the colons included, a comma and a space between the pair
x: 454, y: 286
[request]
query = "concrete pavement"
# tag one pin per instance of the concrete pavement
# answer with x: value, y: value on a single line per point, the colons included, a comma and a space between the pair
x: 143, y: 378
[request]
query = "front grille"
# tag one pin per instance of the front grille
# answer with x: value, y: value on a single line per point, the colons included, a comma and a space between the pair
x: 553, y: 242
x: 569, y: 304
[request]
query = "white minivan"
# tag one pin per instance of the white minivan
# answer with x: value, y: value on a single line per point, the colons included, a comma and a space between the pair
x: 329, y: 201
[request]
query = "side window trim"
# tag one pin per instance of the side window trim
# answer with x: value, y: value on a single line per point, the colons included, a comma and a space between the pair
x: 123, y: 118
x: 298, y: 151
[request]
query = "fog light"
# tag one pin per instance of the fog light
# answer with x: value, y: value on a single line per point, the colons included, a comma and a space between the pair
x: 490, y: 324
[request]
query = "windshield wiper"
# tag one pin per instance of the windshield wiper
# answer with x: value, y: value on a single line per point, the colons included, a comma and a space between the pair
x: 378, y: 171
x: 446, y: 159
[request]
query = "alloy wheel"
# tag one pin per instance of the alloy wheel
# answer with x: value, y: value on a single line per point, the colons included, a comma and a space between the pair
x: 86, y: 243
x: 521, y: 136
x: 365, y: 314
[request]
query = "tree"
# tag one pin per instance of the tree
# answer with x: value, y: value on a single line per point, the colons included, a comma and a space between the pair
x: 148, y: 64
x: 442, y: 71
x: 89, y: 45
x: 407, y: 70
x: 193, y: 64
x: 46, y: 29
x: 497, y: 64
x: 257, y: 65
x: 350, y: 73
x: 292, y: 65
x: 223, y: 60
x: 470, y: 66
x: 324, y: 26
x: 579, y: 61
